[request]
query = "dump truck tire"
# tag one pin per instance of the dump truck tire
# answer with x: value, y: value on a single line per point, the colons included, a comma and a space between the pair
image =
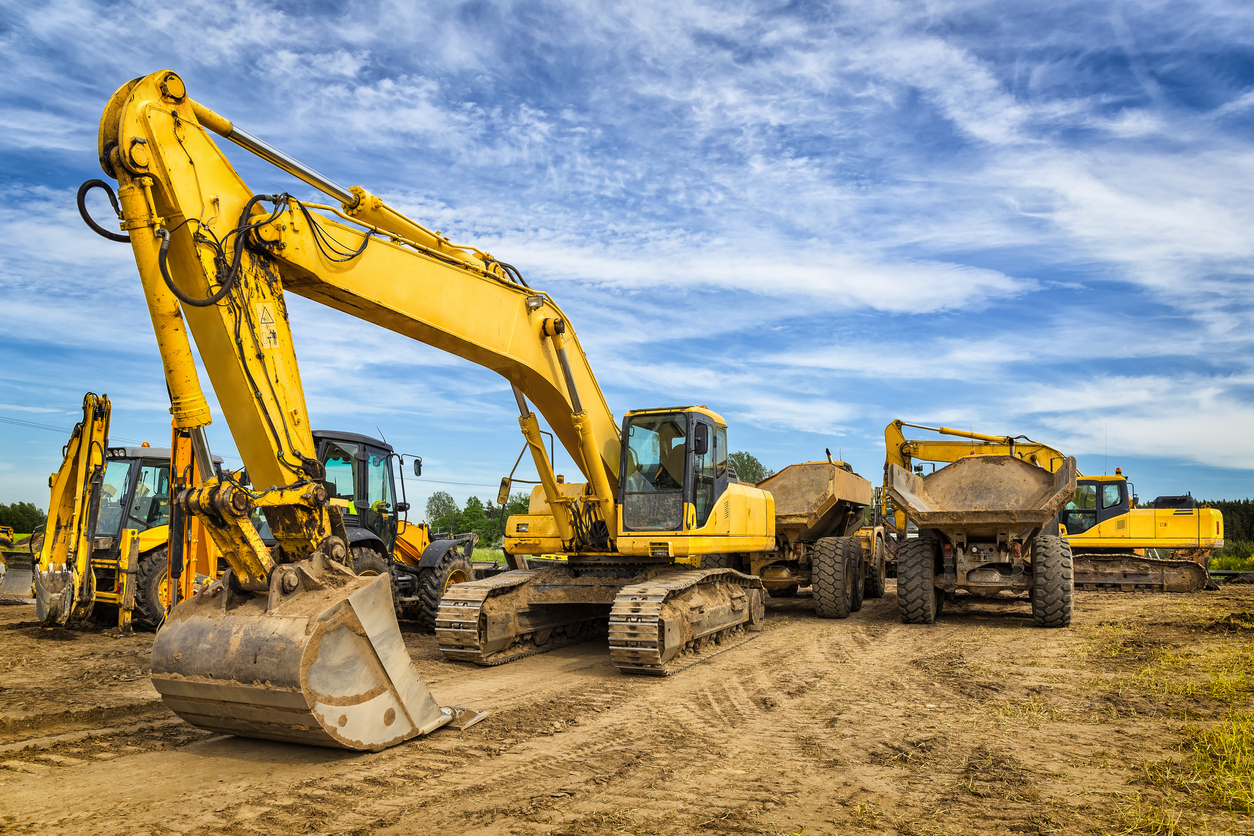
x: 875, y: 572
x: 918, y: 599
x: 1053, y: 587
x: 367, y: 562
x: 833, y: 572
x: 858, y: 590
x: 452, y: 569
x: 783, y: 592
x: 153, y: 573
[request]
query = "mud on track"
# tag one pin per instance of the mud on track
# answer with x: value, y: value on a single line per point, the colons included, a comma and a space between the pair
x: 981, y: 724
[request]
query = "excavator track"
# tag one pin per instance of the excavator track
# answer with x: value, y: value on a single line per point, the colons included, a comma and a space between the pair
x: 678, y: 619
x: 519, y: 613
x: 1133, y: 573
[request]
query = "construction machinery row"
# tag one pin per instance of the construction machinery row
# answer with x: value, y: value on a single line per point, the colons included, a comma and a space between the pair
x: 659, y: 540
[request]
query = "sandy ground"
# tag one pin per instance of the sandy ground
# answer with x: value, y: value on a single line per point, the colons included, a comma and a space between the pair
x: 980, y: 724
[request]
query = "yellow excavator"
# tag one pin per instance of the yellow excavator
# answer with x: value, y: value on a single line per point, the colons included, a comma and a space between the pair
x: 291, y: 644
x: 1107, y: 535
x: 112, y: 552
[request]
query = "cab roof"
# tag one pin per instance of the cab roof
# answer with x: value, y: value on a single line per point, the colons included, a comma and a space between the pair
x: 703, y: 410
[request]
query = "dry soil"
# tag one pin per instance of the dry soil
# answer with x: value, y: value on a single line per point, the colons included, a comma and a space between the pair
x: 980, y: 724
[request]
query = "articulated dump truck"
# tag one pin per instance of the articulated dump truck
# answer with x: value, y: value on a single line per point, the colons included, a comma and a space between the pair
x: 819, y: 538
x: 986, y: 525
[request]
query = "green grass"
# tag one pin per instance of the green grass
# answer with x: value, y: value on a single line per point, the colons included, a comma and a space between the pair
x: 488, y: 554
x: 1218, y: 764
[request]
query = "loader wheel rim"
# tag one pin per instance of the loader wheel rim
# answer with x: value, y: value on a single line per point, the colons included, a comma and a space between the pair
x: 455, y: 577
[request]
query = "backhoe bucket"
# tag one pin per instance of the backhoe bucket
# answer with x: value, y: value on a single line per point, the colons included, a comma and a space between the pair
x: 319, y: 660
x: 16, y: 583
x: 54, y: 596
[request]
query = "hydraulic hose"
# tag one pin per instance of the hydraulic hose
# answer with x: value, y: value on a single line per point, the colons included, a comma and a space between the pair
x: 87, y: 218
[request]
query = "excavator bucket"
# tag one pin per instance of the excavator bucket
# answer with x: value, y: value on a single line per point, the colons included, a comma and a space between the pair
x: 16, y: 583
x: 320, y: 660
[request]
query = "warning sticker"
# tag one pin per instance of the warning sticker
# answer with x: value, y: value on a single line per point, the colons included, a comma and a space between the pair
x: 267, y: 329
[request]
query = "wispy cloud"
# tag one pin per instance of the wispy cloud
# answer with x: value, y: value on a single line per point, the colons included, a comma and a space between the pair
x: 813, y: 217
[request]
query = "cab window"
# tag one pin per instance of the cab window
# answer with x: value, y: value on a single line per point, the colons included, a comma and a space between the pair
x: 703, y: 479
x: 1111, y: 496
x: 1080, y: 514
x: 339, y: 458
x: 150, y: 507
x: 653, y: 478
x: 117, y: 476
x: 379, y: 495
x: 720, y: 452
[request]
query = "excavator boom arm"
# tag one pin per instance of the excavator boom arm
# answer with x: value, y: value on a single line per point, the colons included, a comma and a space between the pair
x: 200, y: 233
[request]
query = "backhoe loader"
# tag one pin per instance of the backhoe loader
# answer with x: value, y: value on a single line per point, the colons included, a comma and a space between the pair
x: 106, y: 556
x: 1106, y: 535
x: 290, y: 643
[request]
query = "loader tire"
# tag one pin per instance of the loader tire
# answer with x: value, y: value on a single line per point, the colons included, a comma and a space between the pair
x: 152, y: 589
x: 875, y: 571
x: 918, y: 599
x: 453, y: 568
x: 722, y: 560
x: 1053, y: 583
x: 833, y: 570
x: 5, y: 542
x: 782, y: 591
x: 368, y: 563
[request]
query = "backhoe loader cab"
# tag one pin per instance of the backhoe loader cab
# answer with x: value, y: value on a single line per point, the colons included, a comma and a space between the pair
x: 360, y: 482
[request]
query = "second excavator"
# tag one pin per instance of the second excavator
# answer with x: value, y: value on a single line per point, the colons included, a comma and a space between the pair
x: 291, y: 644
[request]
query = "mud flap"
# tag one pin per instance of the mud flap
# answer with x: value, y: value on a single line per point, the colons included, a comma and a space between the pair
x: 323, y: 664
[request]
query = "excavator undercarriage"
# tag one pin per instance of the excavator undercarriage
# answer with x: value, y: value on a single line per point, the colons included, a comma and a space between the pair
x: 1131, y: 572
x: 660, y: 619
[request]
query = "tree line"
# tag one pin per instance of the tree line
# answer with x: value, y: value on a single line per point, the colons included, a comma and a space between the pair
x: 484, y: 519
x: 1238, y: 517
x: 22, y: 517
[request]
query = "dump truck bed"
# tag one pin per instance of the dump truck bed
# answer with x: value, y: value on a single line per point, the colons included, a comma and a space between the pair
x: 983, y: 494
x: 812, y: 499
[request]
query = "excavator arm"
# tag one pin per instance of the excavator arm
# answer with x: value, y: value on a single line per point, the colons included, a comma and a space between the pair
x: 200, y: 234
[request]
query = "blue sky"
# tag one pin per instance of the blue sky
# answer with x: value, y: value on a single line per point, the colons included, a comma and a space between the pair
x: 815, y: 218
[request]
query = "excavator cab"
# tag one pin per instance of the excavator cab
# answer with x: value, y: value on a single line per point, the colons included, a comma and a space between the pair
x: 675, y: 468
x: 1096, y: 500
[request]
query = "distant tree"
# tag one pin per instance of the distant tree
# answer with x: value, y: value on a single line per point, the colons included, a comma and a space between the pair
x: 22, y: 517
x: 748, y: 468
x: 440, y: 504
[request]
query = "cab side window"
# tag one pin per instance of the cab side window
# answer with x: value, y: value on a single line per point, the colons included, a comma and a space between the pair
x: 1111, y: 496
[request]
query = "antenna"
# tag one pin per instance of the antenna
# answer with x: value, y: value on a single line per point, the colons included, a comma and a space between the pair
x: 1106, y: 451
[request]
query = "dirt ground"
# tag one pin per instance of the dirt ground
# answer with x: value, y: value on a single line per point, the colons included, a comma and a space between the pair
x: 981, y: 724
